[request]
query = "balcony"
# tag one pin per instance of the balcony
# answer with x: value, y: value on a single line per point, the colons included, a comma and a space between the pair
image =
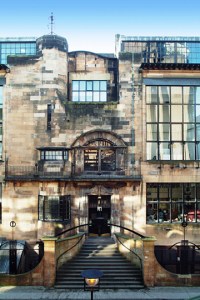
x: 61, y: 173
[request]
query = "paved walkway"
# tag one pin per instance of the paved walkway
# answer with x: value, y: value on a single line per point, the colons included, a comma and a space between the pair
x: 158, y: 293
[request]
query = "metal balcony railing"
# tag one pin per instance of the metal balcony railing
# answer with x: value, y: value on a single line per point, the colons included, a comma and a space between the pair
x: 33, y: 173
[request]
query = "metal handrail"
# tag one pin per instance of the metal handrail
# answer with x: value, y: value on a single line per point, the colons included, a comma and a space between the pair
x: 130, y: 230
x: 71, y: 228
x: 70, y: 248
x: 140, y: 260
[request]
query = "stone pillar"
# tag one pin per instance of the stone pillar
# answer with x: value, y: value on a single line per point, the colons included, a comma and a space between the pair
x: 49, y: 261
x: 149, y: 261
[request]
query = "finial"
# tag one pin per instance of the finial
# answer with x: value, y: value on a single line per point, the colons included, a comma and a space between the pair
x: 52, y: 23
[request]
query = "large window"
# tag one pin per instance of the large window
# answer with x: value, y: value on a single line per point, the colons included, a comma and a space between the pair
x: 54, y: 208
x: 163, y: 51
x: 173, y: 202
x: 16, y: 48
x: 89, y: 90
x: 100, y: 155
x: 173, y: 122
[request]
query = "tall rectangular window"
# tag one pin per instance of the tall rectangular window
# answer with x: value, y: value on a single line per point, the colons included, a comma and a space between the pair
x: 48, y: 116
x: 173, y: 122
x: 89, y: 90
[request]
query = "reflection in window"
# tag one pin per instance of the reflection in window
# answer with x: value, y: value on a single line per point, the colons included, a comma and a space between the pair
x: 163, y: 51
x: 89, y: 91
x: 8, y: 48
x: 54, y: 208
x: 99, y: 156
x: 173, y: 123
x: 173, y: 202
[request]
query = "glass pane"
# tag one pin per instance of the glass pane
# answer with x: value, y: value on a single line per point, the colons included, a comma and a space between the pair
x: 189, y: 132
x: 103, y: 96
x: 75, y: 96
x: 188, y: 95
x: 151, y: 132
x: 176, y: 113
x: 103, y: 85
x: 197, y: 90
x: 95, y: 85
x: 91, y: 160
x: 164, y: 132
x: 176, y: 213
x: 198, y: 151
x: 75, y: 85
x: 189, y: 151
x: 188, y: 113
x: 198, y: 113
x: 82, y: 85
x: 198, y: 212
x: 89, y: 96
x: 164, y: 113
x: 176, y: 192
x: 176, y: 95
x: 151, y: 94
x: 108, y: 160
x: 189, y: 192
x: 164, y: 151
x: 164, y: 192
x: 177, y: 151
x: 52, y: 208
x: 198, y: 132
x: 96, y: 96
x: 164, y: 212
x: 151, y: 212
x: 190, y: 212
x: 152, y: 192
x: 164, y: 94
x: 176, y: 132
x: 152, y: 152
x: 198, y: 191
x: 152, y: 113
x: 82, y: 96
x: 89, y: 85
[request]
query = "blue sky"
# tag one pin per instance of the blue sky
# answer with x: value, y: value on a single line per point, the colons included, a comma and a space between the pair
x: 92, y: 24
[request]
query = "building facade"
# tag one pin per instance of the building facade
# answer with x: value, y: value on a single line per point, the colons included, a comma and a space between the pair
x: 88, y: 136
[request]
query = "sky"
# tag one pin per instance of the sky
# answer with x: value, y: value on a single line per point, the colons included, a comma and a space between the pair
x: 91, y: 25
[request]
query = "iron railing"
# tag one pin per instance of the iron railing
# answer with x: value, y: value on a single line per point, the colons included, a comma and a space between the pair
x: 32, y: 173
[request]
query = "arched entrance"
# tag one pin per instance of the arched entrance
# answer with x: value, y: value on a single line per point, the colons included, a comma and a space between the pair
x: 99, y: 214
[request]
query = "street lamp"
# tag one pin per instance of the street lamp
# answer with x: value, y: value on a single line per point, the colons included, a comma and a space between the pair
x: 92, y: 280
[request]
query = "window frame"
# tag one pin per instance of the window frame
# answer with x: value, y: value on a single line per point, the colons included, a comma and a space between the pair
x: 181, y: 196
x: 159, y: 114
x: 45, y: 154
x: 45, y: 205
x: 89, y: 91
x: 97, y: 162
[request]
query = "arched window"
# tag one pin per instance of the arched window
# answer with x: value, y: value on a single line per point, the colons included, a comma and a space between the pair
x: 99, y: 155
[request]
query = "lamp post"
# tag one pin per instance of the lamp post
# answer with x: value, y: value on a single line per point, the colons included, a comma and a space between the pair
x: 92, y: 280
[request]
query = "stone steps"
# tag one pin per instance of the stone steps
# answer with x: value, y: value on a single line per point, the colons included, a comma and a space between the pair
x: 100, y: 253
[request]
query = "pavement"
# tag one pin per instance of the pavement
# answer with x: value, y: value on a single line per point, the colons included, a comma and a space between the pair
x: 158, y: 293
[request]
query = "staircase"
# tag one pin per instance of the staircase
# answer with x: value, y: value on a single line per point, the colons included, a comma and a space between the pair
x: 100, y: 253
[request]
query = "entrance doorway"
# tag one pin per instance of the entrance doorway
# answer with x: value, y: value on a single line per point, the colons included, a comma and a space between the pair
x: 99, y: 214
